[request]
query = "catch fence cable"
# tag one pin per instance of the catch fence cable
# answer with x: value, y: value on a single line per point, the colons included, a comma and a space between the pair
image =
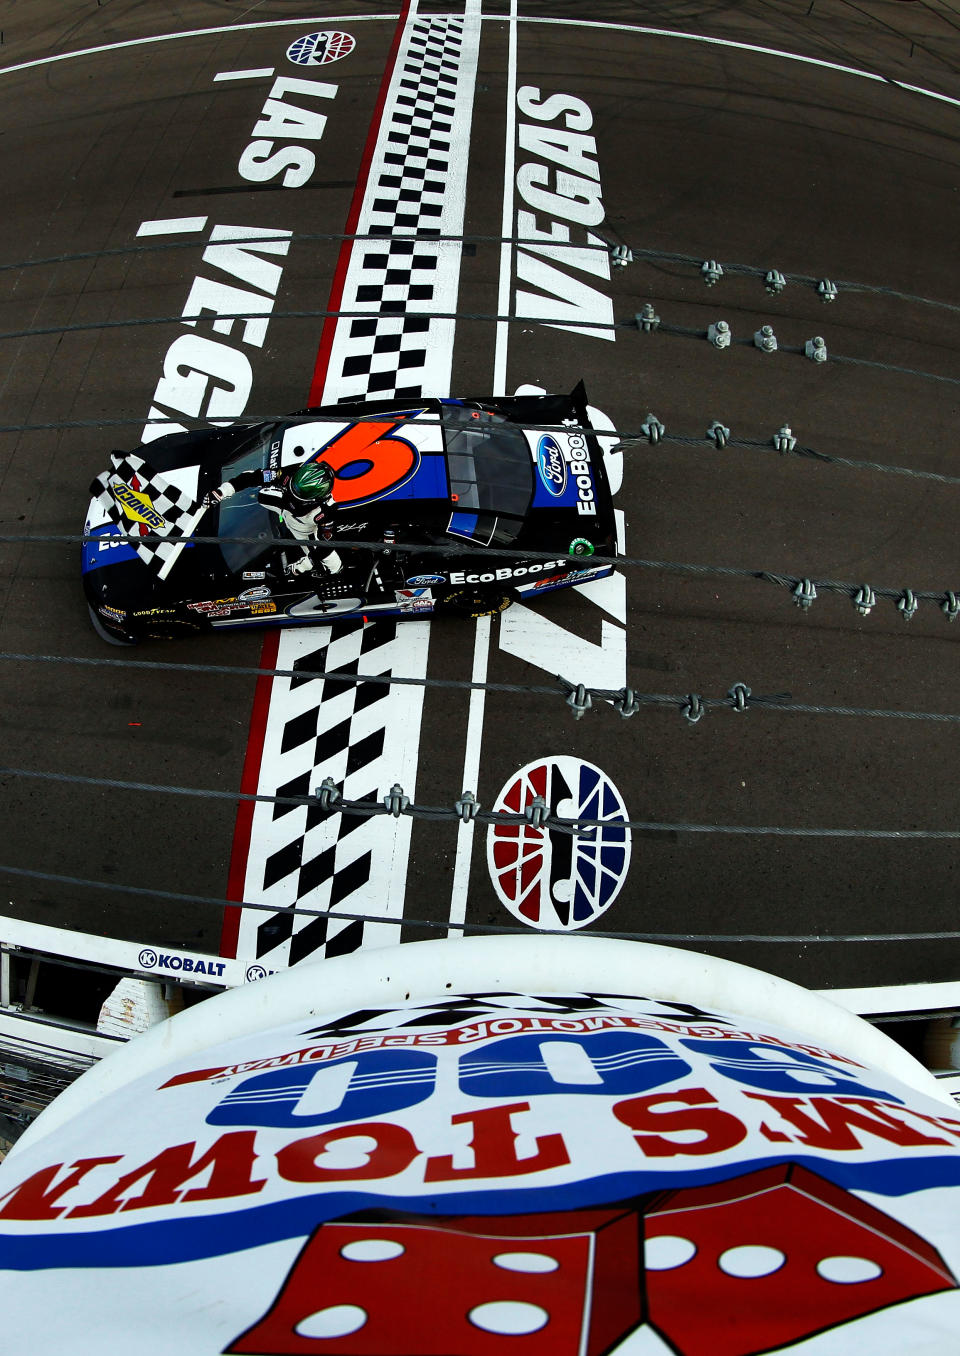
x: 446, y: 925
x: 803, y: 589
x: 385, y: 312
x: 652, y: 433
x: 580, y: 698
x: 765, y: 274
x: 536, y: 815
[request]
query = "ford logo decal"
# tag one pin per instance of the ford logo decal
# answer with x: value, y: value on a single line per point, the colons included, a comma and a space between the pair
x: 421, y: 580
x: 551, y: 465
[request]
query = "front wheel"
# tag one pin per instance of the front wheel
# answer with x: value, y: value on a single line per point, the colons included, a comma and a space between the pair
x: 112, y: 637
x: 473, y: 603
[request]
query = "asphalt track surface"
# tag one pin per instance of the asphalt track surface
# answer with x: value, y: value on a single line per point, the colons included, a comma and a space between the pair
x: 706, y: 150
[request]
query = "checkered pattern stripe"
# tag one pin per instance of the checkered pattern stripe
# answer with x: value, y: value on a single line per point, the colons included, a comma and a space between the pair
x: 416, y: 186
x: 366, y: 737
x: 177, y: 509
x: 363, y: 736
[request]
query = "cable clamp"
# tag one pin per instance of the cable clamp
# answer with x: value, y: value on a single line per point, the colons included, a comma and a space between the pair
x: 804, y: 593
x: 537, y: 812
x: 783, y: 439
x: 652, y: 429
x: 864, y: 599
x: 816, y: 349
x: 396, y: 802
x: 765, y: 340
x: 718, y: 433
x: 328, y: 794
x: 775, y: 281
x: 711, y: 272
x: 467, y: 807
x: 719, y: 334
x: 827, y: 290
x: 692, y: 708
x: 578, y: 699
x: 626, y: 703
x: 620, y: 256
x: 950, y: 607
x: 907, y: 604
x: 647, y: 319
x: 739, y: 695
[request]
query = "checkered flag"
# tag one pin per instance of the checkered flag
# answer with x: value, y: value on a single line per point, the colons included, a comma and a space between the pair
x: 143, y: 503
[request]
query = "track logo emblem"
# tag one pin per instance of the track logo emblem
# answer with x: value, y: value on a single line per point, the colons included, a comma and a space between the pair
x: 560, y: 880
x: 319, y: 49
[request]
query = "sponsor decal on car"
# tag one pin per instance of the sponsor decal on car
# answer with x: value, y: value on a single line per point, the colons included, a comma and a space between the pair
x: 114, y: 613
x: 154, y: 612
x: 427, y: 579
x: 414, y: 600
x: 254, y: 594
x: 517, y: 572
x: 137, y: 506
x: 551, y: 466
x: 579, y: 466
x: 262, y: 609
x: 559, y: 880
x: 319, y: 49
x: 254, y: 574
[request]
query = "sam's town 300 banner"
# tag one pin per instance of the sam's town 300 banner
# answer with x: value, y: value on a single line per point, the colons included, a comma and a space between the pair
x: 550, y: 1176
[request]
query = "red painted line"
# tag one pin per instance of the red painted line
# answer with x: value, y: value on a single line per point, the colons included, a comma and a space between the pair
x: 250, y: 780
x: 353, y: 216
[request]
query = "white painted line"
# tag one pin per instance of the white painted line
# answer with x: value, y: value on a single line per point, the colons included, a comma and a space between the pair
x: 506, y: 249
x: 897, y: 998
x: 172, y: 226
x: 200, y: 33
x: 263, y: 73
x: 481, y: 644
x: 471, y: 775
x: 742, y: 47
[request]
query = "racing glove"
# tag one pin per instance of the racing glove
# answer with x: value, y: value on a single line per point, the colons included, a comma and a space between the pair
x: 223, y: 491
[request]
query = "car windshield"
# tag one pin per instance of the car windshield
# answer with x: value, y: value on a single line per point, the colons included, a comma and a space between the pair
x: 254, y: 452
x: 242, y: 515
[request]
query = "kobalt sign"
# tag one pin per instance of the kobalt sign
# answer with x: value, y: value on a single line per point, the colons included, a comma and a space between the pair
x: 585, y: 1173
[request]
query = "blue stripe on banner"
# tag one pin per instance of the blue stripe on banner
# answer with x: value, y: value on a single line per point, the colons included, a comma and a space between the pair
x: 198, y: 1236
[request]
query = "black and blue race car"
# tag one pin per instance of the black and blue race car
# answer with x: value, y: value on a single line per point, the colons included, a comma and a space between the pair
x: 440, y: 506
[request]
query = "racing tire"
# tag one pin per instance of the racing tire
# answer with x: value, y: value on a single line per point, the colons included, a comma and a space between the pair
x: 473, y: 603
x: 111, y: 637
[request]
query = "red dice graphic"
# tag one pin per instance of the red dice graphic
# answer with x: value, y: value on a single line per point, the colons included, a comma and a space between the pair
x: 564, y: 1284
x: 754, y: 1263
x: 738, y: 1268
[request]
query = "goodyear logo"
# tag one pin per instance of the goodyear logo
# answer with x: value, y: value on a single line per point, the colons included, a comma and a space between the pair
x: 137, y: 506
x: 551, y: 465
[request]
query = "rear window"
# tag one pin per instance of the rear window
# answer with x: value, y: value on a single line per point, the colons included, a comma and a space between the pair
x: 489, y: 463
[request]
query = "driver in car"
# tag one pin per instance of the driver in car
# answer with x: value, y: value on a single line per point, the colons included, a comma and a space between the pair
x: 303, y: 499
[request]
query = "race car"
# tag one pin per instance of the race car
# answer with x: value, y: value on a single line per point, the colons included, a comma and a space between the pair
x: 438, y: 506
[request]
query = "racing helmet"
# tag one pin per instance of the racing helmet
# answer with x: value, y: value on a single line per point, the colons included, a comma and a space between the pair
x: 309, y: 487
